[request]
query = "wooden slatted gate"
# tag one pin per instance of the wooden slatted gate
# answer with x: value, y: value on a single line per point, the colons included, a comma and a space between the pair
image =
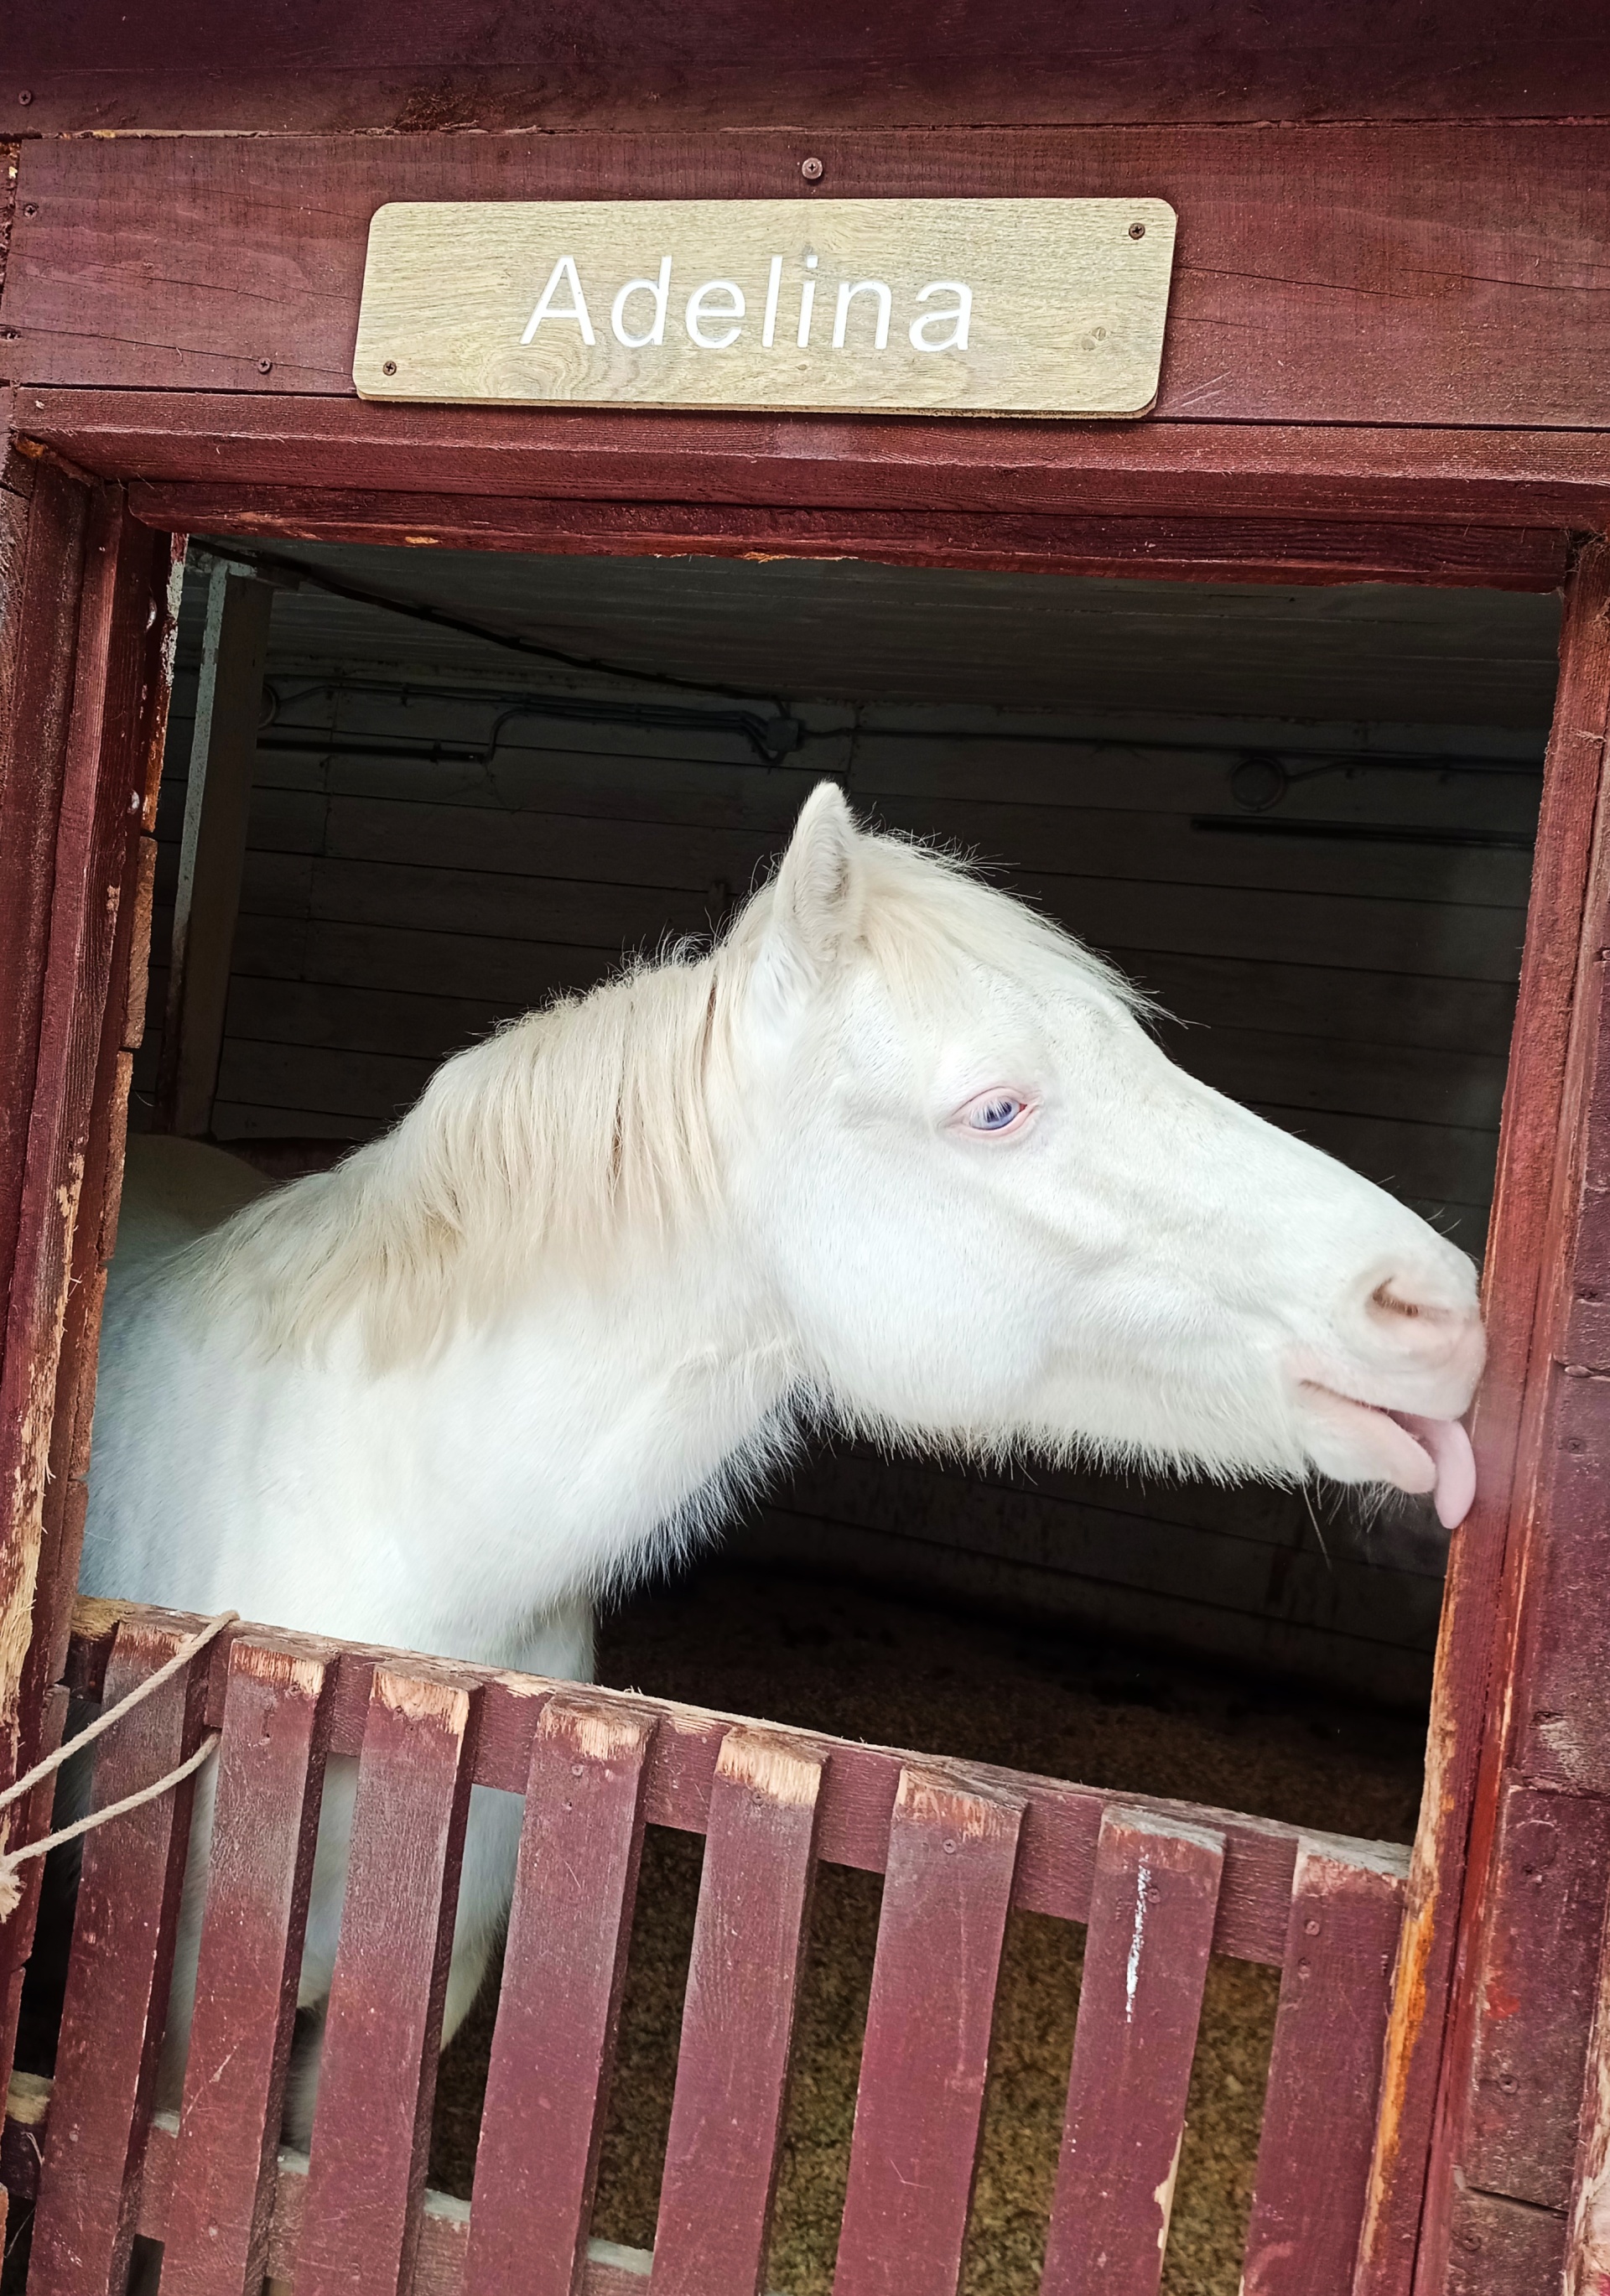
x: 1160, y: 1885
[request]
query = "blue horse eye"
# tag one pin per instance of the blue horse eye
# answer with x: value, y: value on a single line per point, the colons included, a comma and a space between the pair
x: 997, y: 1114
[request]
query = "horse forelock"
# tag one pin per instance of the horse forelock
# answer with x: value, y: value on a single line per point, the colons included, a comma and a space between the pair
x: 567, y: 1130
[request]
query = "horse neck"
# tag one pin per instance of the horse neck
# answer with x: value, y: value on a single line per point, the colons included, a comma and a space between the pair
x: 601, y: 1419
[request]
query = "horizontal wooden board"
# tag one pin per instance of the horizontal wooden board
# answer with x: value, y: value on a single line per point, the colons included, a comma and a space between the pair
x: 1012, y: 1589
x: 1388, y: 926
x: 1349, y: 274
x: 1174, y: 548
x: 1056, y: 1861
x: 1043, y: 306
x: 250, y: 436
x: 1338, y: 1591
x: 904, y: 1492
x: 406, y: 64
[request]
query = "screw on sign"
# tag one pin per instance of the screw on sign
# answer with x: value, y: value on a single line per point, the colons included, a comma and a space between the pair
x: 811, y: 170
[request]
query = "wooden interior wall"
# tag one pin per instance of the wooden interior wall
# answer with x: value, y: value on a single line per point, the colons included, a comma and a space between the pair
x: 1357, y: 988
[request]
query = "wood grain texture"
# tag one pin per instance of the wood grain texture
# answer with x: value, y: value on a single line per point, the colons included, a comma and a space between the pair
x: 923, y: 2063
x: 716, y: 66
x: 1351, y: 274
x: 117, y: 1994
x: 1515, y: 477
x: 377, y: 2079
x: 552, y: 2047
x: 1056, y: 1863
x: 1324, y: 2074
x: 1162, y: 549
x: 1499, y: 2247
x: 270, y: 1774
x: 985, y: 307
x: 41, y: 551
x: 70, y: 995
x: 1140, y: 2002
x: 737, y: 2019
x: 1455, y: 1847
x: 1539, y: 1953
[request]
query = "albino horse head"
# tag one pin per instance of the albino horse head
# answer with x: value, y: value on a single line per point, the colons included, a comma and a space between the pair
x: 996, y: 1212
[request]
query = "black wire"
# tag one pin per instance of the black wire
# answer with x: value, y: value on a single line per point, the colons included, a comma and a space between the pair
x: 271, y: 563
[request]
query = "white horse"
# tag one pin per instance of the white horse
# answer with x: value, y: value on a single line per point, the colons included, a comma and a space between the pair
x: 896, y: 1153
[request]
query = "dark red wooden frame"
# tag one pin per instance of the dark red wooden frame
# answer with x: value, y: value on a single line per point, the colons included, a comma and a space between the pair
x: 1511, y: 1862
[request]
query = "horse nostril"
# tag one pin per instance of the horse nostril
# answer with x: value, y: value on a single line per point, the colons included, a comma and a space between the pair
x: 1388, y: 1302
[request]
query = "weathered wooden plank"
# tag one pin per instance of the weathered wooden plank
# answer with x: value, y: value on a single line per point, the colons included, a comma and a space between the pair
x: 1521, y: 475
x: 118, y: 1980
x: 1467, y: 225
x: 217, y: 795
x: 381, y: 69
x: 737, y: 2019
x: 1540, y: 1951
x: 1325, y: 2072
x: 1499, y: 2247
x: 41, y: 553
x: 923, y: 2063
x: 68, y: 1021
x: 1140, y: 2002
x: 1530, y: 1490
x: 1056, y: 1856
x: 552, y: 2047
x: 1176, y: 549
x: 270, y: 1764
x: 372, y: 2124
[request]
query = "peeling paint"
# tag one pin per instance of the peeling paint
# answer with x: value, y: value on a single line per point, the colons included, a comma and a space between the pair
x: 771, y: 1768
x: 598, y: 1735
x: 933, y: 1799
x: 420, y: 1700
x: 1164, y: 2194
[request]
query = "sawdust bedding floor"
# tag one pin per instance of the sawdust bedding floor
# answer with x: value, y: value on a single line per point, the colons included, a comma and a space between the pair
x: 863, y: 1665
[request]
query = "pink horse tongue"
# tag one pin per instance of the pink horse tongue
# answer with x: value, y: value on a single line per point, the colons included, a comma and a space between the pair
x: 1454, y: 1461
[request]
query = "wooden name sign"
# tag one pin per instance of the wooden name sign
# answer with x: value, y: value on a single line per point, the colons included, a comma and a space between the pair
x: 963, y: 307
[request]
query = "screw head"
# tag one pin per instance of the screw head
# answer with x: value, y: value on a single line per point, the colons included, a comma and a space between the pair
x: 1138, y: 231
x: 811, y: 170
x: 390, y: 367
x: 30, y: 207
x: 25, y: 95
x: 265, y: 367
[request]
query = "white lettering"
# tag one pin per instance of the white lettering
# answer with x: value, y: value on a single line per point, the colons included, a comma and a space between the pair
x: 774, y: 287
x: 700, y: 307
x: 957, y: 318
x: 565, y: 270
x: 660, y: 290
x: 840, y: 317
x: 808, y: 296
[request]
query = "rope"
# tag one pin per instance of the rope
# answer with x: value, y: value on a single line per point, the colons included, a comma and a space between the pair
x: 11, y: 1886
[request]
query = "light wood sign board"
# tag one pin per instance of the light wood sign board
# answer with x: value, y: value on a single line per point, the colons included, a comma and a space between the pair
x: 963, y: 307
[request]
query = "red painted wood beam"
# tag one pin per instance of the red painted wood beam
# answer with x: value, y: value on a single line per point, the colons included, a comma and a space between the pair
x: 1205, y: 470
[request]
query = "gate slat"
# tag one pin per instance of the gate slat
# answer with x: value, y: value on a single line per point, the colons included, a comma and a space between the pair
x: 737, y: 2019
x: 377, y: 2081
x: 952, y: 1852
x: 553, y: 2043
x: 1147, y: 1952
x: 118, y: 1980
x: 271, y: 1762
x: 1325, y: 2070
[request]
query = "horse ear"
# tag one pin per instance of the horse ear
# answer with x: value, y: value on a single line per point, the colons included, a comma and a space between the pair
x: 817, y: 892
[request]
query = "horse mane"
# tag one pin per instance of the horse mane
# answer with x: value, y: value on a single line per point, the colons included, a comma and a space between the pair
x: 582, y: 1123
